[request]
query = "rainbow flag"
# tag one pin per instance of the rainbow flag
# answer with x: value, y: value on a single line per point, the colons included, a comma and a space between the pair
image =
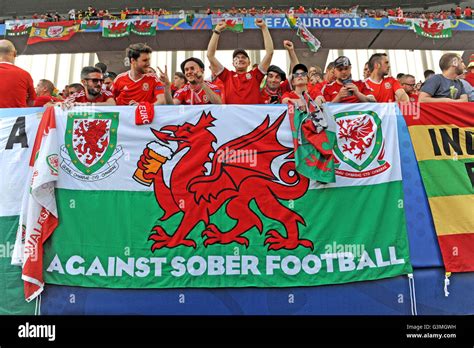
x: 442, y: 136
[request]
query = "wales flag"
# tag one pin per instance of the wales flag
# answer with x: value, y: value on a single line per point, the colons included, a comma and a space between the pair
x: 17, y: 135
x: 192, y: 200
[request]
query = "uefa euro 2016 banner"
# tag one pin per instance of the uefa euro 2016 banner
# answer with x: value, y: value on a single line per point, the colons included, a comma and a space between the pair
x: 442, y: 137
x: 209, y: 197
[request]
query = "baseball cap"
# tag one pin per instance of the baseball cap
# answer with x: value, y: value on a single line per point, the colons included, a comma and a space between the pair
x: 299, y: 67
x: 342, y: 61
x: 240, y: 51
x: 277, y: 70
x: 471, y: 61
x: 192, y: 59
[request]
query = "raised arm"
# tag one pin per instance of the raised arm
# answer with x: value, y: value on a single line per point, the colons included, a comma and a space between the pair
x: 291, y: 51
x: 268, y: 42
x: 216, y: 66
x: 165, y: 98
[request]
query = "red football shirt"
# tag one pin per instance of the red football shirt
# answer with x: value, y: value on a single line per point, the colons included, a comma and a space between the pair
x: 242, y: 88
x: 413, y: 97
x: 266, y: 94
x: 293, y: 95
x: 45, y: 99
x: 470, y: 78
x: 80, y: 97
x: 188, y: 96
x: 145, y: 89
x: 331, y: 90
x: 16, y: 86
x: 384, y: 91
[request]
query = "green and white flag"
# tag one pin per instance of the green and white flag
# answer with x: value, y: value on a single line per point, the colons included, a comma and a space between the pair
x: 17, y: 135
x: 433, y: 29
x: 144, y: 27
x: 307, y: 37
x: 116, y: 28
x: 208, y: 196
x: 18, y: 27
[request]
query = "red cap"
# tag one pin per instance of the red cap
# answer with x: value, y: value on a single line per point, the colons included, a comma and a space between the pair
x: 144, y: 113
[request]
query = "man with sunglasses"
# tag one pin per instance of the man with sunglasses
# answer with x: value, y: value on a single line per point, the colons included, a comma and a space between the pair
x: 91, y: 79
x: 344, y: 90
x: 300, y: 96
x: 408, y: 83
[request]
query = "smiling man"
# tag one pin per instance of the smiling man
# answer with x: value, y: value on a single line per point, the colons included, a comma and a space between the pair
x: 92, y: 80
x: 241, y: 86
x: 138, y: 85
x: 196, y: 91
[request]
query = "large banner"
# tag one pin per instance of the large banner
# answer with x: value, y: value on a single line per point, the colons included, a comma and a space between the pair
x: 442, y: 136
x: 17, y: 135
x: 209, y: 197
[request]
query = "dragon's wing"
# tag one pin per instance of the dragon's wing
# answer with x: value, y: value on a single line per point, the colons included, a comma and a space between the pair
x: 365, y: 129
x: 250, y: 155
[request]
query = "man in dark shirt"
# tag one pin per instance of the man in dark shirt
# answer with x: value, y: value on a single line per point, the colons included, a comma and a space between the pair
x: 445, y: 87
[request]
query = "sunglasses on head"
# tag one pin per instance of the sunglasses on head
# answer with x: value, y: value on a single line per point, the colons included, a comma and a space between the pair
x: 95, y: 80
x: 302, y: 74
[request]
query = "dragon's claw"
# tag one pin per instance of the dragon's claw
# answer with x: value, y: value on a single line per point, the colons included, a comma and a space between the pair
x: 276, y: 241
x: 163, y: 240
x: 214, y: 236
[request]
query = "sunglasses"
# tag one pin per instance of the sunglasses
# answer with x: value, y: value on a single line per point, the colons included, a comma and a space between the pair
x: 302, y: 74
x: 95, y: 80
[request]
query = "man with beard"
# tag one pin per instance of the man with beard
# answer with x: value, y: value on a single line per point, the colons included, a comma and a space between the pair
x: 137, y: 85
x: 91, y: 79
x: 386, y: 89
x: 276, y: 83
x: 196, y: 91
x: 445, y: 87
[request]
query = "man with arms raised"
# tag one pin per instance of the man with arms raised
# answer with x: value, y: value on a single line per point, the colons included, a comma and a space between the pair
x: 241, y: 87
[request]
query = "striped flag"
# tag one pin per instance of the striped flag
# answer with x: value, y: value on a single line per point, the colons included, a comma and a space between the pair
x: 54, y: 31
x: 442, y: 137
x: 235, y: 24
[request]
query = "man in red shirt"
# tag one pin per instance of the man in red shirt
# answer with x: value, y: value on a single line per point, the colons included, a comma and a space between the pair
x: 277, y: 84
x: 470, y: 71
x: 385, y: 88
x: 44, y: 91
x: 16, y: 85
x: 344, y: 90
x: 241, y: 87
x: 91, y: 79
x: 196, y: 91
x: 408, y: 83
x: 468, y: 13
x: 136, y: 85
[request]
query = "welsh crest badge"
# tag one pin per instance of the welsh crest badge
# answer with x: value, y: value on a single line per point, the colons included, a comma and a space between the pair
x: 360, y: 147
x: 90, y: 152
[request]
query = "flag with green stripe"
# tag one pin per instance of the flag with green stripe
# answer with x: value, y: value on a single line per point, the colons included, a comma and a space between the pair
x: 442, y: 136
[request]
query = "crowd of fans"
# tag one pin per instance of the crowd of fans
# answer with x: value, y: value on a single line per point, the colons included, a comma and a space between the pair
x: 94, y: 14
x: 262, y: 83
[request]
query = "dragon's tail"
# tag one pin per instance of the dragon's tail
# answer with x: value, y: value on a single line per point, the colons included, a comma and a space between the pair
x: 295, y: 185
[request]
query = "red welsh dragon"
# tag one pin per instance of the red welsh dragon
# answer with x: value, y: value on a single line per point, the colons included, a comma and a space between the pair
x: 354, y: 132
x: 233, y: 181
